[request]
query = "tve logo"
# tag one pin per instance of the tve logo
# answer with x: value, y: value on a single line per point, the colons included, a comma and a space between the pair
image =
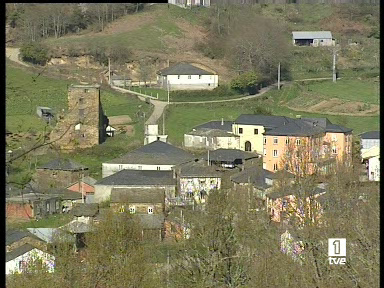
x: 337, y: 250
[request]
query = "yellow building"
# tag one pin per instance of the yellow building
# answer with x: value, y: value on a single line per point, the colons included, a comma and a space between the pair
x: 251, y: 128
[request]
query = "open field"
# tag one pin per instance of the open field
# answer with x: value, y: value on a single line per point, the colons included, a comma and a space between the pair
x: 52, y: 221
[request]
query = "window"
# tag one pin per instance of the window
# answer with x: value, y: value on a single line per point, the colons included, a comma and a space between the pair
x: 287, y: 141
x: 81, y: 100
x: 150, y: 210
x: 265, y: 140
x: 275, y: 140
x: 178, y: 76
x: 86, y: 90
x: 256, y: 131
x: 120, y: 167
x: 285, y: 203
x: 132, y: 209
x: 298, y: 142
x: 122, y: 209
x: 140, y: 167
x: 83, y: 135
x: 334, y: 150
x: 199, y: 76
x: 275, y: 167
x: 265, y: 152
x: 240, y: 130
x: 275, y: 153
x: 189, y: 76
x: 158, y: 168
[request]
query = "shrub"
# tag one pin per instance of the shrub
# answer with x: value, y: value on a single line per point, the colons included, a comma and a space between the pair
x: 217, y: 93
x: 34, y: 52
x: 247, y: 82
x: 98, y: 54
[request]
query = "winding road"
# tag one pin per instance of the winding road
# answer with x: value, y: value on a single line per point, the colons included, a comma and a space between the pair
x: 13, y: 54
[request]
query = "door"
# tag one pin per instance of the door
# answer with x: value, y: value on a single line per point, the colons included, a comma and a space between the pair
x: 248, y: 146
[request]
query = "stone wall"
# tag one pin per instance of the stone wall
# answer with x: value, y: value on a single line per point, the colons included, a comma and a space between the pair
x: 47, y: 179
x: 84, y: 123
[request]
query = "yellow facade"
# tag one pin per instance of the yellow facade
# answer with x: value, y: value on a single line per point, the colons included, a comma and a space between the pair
x: 251, y: 137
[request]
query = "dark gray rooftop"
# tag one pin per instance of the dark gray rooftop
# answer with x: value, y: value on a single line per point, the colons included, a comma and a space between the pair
x: 18, y: 251
x: 229, y: 155
x: 183, y: 69
x: 76, y: 226
x: 155, y: 153
x: 198, y: 169
x: 87, y: 180
x: 337, y: 129
x: 151, y: 221
x: 31, y: 197
x: 221, y: 125
x: 63, y: 164
x: 124, y: 195
x: 12, y: 236
x: 297, y: 127
x: 263, y: 120
x: 370, y: 135
x: 85, y: 209
x: 139, y: 178
x: 254, y: 175
x: 211, y: 132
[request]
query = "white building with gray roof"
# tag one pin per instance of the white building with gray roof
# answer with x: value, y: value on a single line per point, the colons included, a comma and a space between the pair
x: 184, y: 76
x: 155, y: 156
x: 312, y: 38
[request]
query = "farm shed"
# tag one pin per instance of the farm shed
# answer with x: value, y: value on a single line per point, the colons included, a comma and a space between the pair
x: 312, y: 38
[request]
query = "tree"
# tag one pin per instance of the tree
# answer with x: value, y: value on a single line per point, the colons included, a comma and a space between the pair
x: 145, y: 70
x: 246, y: 82
x: 35, y: 53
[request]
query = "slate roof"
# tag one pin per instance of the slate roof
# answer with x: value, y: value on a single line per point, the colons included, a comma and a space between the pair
x: 66, y: 194
x: 211, y: 132
x: 87, y: 180
x: 126, y: 195
x: 139, y: 178
x: 293, y: 190
x: 229, y: 155
x: 296, y: 127
x: 155, y: 153
x: 18, y: 252
x: 337, y: 129
x: 63, y: 164
x: 85, y: 209
x: 312, y: 35
x: 151, y: 221
x: 198, y: 169
x: 262, y: 120
x: 225, y: 125
x: 254, y: 175
x: 31, y: 197
x: 183, y: 69
x: 12, y: 236
x: 48, y: 234
x: 76, y: 226
x: 370, y: 135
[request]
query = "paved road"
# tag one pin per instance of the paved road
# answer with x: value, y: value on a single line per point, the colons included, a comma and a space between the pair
x: 13, y: 54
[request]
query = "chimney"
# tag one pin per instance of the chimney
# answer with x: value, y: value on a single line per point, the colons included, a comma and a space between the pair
x: 222, y: 121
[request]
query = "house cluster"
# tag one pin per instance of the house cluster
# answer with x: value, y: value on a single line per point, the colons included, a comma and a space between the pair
x: 370, y: 154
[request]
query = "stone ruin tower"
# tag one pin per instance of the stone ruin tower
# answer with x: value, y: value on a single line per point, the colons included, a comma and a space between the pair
x: 84, y: 125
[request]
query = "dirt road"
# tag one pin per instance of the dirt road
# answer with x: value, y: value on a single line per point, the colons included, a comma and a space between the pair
x: 13, y: 54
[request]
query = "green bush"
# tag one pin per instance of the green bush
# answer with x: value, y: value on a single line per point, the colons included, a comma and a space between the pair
x: 247, y: 82
x: 34, y: 52
x: 223, y: 91
x: 98, y: 54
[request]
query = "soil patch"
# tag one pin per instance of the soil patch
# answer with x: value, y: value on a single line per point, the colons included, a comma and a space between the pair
x: 119, y: 120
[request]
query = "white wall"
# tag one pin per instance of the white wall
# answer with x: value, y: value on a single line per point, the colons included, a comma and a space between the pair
x: 13, y: 265
x: 374, y: 169
x: 179, y: 82
x: 109, y: 168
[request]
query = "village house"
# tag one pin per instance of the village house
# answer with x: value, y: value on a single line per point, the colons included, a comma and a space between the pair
x: 306, y: 145
x: 138, y: 201
x: 151, y: 134
x: 188, y: 3
x: 136, y: 179
x: 371, y: 159
x: 291, y: 205
x: 152, y: 226
x: 155, y: 156
x: 59, y: 173
x: 120, y: 80
x: 212, y: 135
x: 184, y: 76
x: 32, y: 206
x: 251, y: 127
x: 17, y: 238
x: 85, y: 185
x: 195, y: 181
x: 369, y: 139
x: 84, y: 124
x: 230, y: 158
x: 312, y: 38
x: 51, y: 235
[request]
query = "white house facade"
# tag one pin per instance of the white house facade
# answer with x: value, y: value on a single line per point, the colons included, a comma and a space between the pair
x: 312, y: 38
x: 110, y: 168
x: 28, y: 254
x: 374, y: 168
x: 184, y: 76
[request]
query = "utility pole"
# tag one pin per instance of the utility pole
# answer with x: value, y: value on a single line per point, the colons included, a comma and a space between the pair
x: 334, y: 66
x: 168, y: 90
x: 109, y: 71
x: 163, y: 123
x: 278, y: 77
x: 82, y: 183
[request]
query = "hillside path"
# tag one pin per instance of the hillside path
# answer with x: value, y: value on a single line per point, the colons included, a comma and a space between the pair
x: 13, y: 54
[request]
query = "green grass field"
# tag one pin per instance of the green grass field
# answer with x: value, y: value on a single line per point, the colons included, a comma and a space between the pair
x: 182, y: 118
x: 53, y: 221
